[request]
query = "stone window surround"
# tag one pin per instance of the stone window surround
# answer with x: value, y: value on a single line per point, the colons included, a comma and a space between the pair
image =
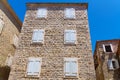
x: 105, y: 49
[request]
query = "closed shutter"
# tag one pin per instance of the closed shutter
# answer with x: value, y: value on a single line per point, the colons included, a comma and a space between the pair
x: 34, y: 67
x: 1, y: 26
x: 74, y: 68
x: 67, y: 68
x: 38, y: 36
x: 69, y: 13
x: 42, y: 13
x: 70, y: 36
x: 71, y: 67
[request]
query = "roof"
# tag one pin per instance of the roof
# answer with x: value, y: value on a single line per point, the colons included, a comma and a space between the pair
x: 12, y: 13
x: 56, y: 4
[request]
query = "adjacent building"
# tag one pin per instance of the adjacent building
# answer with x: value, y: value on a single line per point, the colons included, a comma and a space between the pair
x: 10, y: 27
x: 107, y: 60
x: 54, y: 44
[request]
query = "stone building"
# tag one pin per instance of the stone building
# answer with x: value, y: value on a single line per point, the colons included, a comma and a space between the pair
x: 10, y: 27
x: 54, y: 44
x: 107, y: 60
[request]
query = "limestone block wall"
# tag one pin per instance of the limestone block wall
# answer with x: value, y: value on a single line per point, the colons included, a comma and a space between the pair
x: 53, y: 51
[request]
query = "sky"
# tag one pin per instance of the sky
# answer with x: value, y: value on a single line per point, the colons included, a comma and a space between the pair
x: 103, y: 15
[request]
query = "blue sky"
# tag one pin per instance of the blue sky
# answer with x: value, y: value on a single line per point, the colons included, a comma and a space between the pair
x: 104, y: 16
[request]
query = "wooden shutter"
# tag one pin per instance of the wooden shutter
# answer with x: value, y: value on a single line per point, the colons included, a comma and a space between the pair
x: 70, y: 36
x: 73, y: 36
x: 38, y: 36
x: 71, y: 67
x: 1, y: 25
x: 74, y: 68
x: 110, y: 65
x: 69, y: 13
x: 42, y: 13
x: 34, y: 67
x: 67, y: 68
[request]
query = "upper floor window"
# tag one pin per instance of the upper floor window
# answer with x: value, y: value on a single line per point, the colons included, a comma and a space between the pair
x: 70, y: 67
x: 38, y: 36
x: 107, y: 47
x: 42, y: 13
x: 69, y: 13
x: 1, y: 26
x: 113, y: 64
x: 34, y: 67
x: 70, y: 36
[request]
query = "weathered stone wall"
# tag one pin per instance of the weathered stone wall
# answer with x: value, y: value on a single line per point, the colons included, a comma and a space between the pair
x: 6, y: 36
x: 53, y: 51
x: 102, y: 69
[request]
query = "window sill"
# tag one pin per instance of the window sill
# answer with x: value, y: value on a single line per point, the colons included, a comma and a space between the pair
x: 71, y: 77
x: 37, y: 43
x: 69, y: 43
x: 32, y: 76
x: 65, y: 18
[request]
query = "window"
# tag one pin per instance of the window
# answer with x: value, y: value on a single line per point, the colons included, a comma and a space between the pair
x: 34, y: 67
x: 70, y: 67
x: 38, y: 36
x: 113, y: 64
x: 15, y: 40
x: 69, y: 13
x: 42, y: 13
x: 70, y: 36
x: 108, y: 48
x: 1, y: 26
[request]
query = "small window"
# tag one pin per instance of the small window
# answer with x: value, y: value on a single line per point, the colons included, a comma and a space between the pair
x: 1, y: 26
x: 69, y: 13
x: 113, y: 64
x: 70, y: 67
x: 108, y: 48
x: 34, y: 67
x: 70, y: 36
x: 38, y: 36
x: 15, y: 40
x: 42, y: 13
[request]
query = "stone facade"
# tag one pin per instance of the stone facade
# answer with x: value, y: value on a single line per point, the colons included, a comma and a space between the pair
x: 9, y: 27
x: 53, y: 50
x: 101, y: 58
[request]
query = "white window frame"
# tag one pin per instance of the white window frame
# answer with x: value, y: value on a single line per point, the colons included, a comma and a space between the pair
x: 33, y: 59
x: 42, y: 15
x: 70, y: 42
x: 69, y: 16
x: 1, y: 25
x: 70, y: 60
x: 110, y: 64
x: 105, y: 49
x: 37, y: 41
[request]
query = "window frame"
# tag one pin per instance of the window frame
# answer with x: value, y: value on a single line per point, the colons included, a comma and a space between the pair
x: 38, y: 15
x: 40, y: 42
x: 116, y: 64
x: 104, y: 49
x: 70, y: 60
x: 70, y: 42
x: 68, y: 17
x: 27, y: 66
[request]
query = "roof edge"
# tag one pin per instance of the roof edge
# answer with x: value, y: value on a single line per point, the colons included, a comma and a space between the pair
x: 8, y: 7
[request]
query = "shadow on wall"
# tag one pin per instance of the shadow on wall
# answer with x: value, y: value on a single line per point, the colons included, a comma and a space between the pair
x: 4, y: 72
